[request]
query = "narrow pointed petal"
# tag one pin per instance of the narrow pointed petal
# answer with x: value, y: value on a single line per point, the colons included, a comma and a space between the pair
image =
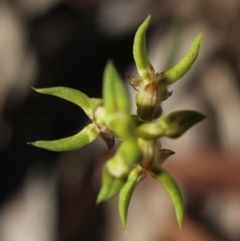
x: 84, y: 137
x: 143, y: 64
x: 75, y: 96
x: 136, y: 176
x: 173, y: 190
x: 179, y: 70
x: 116, y: 96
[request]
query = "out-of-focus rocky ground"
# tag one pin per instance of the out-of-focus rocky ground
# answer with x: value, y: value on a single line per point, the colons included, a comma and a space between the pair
x: 47, y: 196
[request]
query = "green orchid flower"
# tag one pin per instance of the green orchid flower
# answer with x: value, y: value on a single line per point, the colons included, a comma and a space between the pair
x: 139, y: 153
x: 152, y: 86
x: 105, y: 113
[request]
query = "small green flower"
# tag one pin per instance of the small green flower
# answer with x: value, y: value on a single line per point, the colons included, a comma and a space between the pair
x: 106, y: 114
x: 85, y: 136
x: 152, y: 86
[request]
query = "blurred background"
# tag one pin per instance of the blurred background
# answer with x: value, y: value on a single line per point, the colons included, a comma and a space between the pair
x: 46, y: 196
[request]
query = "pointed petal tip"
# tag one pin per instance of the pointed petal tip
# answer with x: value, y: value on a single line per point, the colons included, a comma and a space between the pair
x: 98, y: 201
x: 198, y: 39
x: 179, y: 221
x: 39, y: 90
x: 200, y: 34
x: 201, y: 117
x: 143, y: 64
x: 149, y: 17
x: 100, y: 198
x: 109, y: 62
x: 35, y: 89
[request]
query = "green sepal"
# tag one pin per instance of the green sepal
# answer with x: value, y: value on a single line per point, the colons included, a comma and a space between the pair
x: 173, y: 190
x: 180, y: 69
x: 178, y: 122
x: 84, y: 137
x: 143, y: 64
x: 115, y: 95
x: 117, y: 102
x: 111, y: 185
x: 172, y: 125
x: 136, y: 175
x: 75, y: 96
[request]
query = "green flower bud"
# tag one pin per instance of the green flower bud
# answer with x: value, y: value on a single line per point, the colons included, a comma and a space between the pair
x: 148, y: 100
